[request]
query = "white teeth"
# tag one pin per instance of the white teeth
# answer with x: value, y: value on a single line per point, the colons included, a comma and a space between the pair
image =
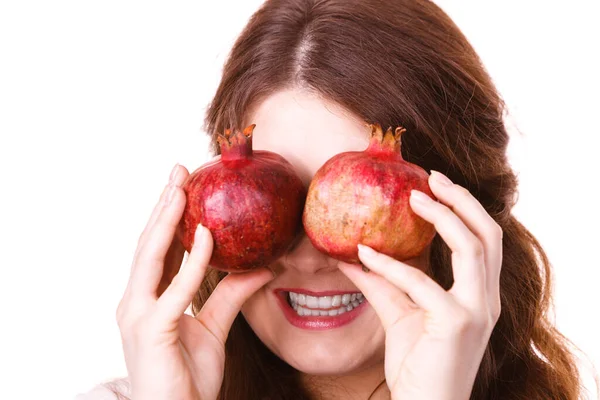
x: 301, y: 299
x: 325, y: 302
x: 312, y: 302
x: 336, y: 301
x: 346, y: 299
x: 306, y: 305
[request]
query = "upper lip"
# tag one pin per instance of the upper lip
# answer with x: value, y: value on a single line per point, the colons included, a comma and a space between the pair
x: 314, y: 293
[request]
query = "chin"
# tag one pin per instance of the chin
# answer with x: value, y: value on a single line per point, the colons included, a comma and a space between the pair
x: 356, y: 345
x: 326, y: 361
x: 338, y: 351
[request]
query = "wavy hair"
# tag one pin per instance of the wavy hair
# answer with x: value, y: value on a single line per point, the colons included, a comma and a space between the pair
x: 400, y: 62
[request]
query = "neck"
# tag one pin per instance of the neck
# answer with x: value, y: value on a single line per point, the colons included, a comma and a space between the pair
x: 365, y: 384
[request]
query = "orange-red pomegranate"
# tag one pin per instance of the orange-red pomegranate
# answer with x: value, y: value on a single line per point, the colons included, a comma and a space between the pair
x: 251, y: 201
x: 363, y: 197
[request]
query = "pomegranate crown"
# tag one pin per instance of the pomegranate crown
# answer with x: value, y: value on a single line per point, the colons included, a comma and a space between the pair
x: 235, y: 144
x: 390, y: 141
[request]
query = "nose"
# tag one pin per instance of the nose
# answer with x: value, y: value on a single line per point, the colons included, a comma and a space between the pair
x: 305, y: 258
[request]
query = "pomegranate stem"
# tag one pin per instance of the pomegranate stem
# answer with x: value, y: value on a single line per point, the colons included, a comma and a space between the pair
x: 236, y: 145
x: 388, y: 142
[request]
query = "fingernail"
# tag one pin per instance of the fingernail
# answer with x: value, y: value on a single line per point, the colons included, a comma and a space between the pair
x: 366, y: 251
x: 200, y: 231
x: 174, y: 173
x: 420, y: 197
x: 441, y: 178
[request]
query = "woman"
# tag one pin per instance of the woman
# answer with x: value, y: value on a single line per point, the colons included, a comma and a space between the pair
x: 466, y: 319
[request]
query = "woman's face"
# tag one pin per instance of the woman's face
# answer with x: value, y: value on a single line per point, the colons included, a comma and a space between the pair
x: 308, y: 131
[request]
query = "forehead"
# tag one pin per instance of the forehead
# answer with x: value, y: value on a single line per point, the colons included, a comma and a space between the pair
x: 306, y: 129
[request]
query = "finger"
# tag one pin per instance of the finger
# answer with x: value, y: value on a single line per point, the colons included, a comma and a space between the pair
x: 150, y: 260
x: 467, y: 250
x: 184, y: 286
x: 224, y: 304
x: 178, y: 175
x: 423, y: 290
x: 477, y: 219
x: 389, y: 302
x: 172, y: 265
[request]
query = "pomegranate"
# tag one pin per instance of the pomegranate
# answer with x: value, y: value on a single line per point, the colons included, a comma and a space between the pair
x: 363, y: 197
x: 251, y: 201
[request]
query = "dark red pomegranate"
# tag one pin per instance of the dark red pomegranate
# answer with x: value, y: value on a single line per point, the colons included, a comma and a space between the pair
x: 363, y: 197
x: 251, y: 201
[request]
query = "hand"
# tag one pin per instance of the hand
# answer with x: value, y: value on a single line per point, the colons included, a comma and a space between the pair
x: 435, y: 339
x: 169, y: 354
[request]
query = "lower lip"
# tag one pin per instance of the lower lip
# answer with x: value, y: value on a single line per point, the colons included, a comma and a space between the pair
x: 321, y: 322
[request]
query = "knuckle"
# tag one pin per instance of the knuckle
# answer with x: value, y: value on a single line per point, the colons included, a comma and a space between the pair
x: 415, y: 275
x: 126, y: 326
x: 120, y: 312
x: 497, y: 231
x: 475, y: 248
x: 150, y: 254
x: 404, y: 305
x: 494, y: 315
x: 130, y: 316
x: 462, y: 193
x: 141, y: 238
x: 495, y: 311
x: 447, y: 216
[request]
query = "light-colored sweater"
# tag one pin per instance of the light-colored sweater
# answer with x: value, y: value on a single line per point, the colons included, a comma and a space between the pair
x: 104, y: 392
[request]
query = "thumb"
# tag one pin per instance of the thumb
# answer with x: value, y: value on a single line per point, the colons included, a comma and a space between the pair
x: 224, y: 304
x: 184, y: 286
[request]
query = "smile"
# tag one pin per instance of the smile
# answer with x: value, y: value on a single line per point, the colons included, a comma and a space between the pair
x: 312, y: 312
x: 306, y: 305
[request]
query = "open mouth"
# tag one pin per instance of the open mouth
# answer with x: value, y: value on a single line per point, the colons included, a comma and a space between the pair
x: 324, y: 306
x: 306, y: 311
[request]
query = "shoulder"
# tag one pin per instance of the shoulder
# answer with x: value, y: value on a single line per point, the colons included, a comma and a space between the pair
x: 117, y: 389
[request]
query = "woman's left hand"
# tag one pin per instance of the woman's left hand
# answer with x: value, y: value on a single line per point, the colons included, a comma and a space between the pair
x: 435, y: 339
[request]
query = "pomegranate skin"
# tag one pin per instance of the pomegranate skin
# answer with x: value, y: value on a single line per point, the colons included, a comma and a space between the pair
x: 251, y: 201
x: 363, y: 197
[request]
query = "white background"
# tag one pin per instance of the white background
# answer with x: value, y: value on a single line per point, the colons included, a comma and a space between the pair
x: 98, y: 100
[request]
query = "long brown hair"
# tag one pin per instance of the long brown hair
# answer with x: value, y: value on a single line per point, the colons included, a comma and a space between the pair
x: 400, y: 62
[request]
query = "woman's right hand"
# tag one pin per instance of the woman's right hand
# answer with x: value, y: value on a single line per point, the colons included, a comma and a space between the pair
x: 169, y: 354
